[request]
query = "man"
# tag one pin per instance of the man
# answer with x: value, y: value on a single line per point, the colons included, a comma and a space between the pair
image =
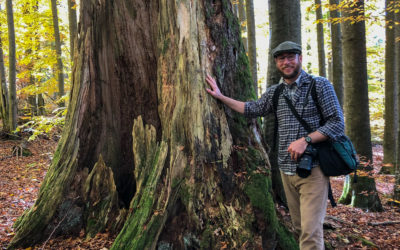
x: 306, y: 197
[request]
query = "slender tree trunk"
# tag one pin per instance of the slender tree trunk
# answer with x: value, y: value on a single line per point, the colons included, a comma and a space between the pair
x: 60, y: 67
x: 285, y: 24
x: 390, y: 132
x: 251, y: 38
x: 364, y: 194
x: 243, y: 24
x: 337, y: 59
x: 396, y: 191
x: 193, y: 180
x: 320, y: 40
x: 3, y: 90
x: 12, y: 92
x: 72, y: 26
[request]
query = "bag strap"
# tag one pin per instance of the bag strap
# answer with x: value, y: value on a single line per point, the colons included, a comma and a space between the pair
x: 275, y: 100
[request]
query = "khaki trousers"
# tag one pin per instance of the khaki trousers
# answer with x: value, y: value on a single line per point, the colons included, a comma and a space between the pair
x: 307, y: 201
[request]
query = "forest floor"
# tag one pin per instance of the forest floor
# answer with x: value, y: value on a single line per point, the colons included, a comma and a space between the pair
x: 20, y: 179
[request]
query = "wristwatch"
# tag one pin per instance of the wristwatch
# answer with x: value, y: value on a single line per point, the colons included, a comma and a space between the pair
x: 308, y: 139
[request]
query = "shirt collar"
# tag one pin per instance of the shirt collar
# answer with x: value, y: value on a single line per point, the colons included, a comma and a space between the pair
x: 298, y: 82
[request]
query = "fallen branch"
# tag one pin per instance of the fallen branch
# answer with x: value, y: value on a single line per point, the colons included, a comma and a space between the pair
x: 337, y: 219
x: 384, y: 223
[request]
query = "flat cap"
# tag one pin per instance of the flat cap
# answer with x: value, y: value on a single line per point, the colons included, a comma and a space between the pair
x: 286, y: 47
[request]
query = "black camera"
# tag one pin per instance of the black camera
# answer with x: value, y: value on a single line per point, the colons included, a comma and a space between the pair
x: 306, y: 161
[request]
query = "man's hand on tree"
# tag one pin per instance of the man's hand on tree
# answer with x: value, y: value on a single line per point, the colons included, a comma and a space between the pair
x: 214, y: 91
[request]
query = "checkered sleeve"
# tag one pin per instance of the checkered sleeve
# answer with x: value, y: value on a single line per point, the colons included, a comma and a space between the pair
x: 260, y: 107
x: 330, y: 108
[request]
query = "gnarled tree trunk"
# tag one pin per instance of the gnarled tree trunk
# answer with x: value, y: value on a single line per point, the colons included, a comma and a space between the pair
x: 145, y: 148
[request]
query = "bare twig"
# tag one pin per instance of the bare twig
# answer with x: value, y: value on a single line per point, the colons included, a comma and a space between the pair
x: 337, y: 219
x: 54, y: 230
x: 384, y: 223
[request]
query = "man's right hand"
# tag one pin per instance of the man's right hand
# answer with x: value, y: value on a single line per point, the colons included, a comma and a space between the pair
x: 214, y: 91
x: 238, y: 106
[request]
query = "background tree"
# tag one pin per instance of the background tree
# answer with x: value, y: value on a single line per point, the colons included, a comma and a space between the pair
x: 193, y: 180
x: 251, y: 42
x: 363, y: 193
x: 60, y: 67
x: 72, y: 26
x: 336, y: 45
x: 12, y: 92
x: 390, y: 132
x: 3, y: 89
x: 285, y: 24
x: 243, y: 23
x: 320, y: 39
x: 396, y: 190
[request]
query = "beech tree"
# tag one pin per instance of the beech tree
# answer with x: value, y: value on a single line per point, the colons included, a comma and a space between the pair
x: 57, y: 39
x: 72, y: 26
x: 390, y: 131
x: 3, y: 89
x: 145, y: 148
x: 285, y: 24
x: 12, y: 90
x: 396, y: 190
x: 320, y: 39
x: 337, y: 58
x: 362, y: 194
x: 251, y: 42
x: 242, y: 19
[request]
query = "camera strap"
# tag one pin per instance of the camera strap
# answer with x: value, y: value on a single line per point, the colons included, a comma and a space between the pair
x: 309, y: 130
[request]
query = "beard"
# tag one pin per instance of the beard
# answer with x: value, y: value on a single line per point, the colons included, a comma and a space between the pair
x: 293, y: 74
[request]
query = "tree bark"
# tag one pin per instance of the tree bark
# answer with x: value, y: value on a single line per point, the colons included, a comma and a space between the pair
x: 192, y: 180
x: 60, y: 67
x: 3, y: 90
x: 12, y: 91
x: 337, y: 59
x: 320, y: 40
x: 285, y: 24
x: 390, y: 131
x: 72, y: 26
x: 363, y: 193
x: 243, y: 25
x: 356, y: 83
x: 396, y: 191
x: 252, y: 44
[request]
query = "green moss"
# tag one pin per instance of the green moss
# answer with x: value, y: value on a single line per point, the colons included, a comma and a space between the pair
x: 165, y: 46
x: 206, y: 238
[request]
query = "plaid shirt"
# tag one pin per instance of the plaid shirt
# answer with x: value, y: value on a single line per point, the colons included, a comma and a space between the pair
x: 289, y: 128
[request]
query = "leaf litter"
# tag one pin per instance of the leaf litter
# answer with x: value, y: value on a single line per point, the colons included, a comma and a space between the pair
x: 349, y: 228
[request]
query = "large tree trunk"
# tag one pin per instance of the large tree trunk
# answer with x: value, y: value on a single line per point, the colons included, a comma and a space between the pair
x: 12, y: 90
x: 337, y: 59
x: 60, y: 67
x: 72, y: 26
x: 363, y: 193
x: 320, y: 40
x: 285, y: 24
x: 251, y: 40
x: 3, y: 89
x: 193, y: 180
x: 390, y: 132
